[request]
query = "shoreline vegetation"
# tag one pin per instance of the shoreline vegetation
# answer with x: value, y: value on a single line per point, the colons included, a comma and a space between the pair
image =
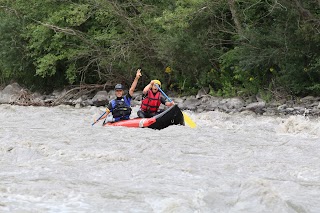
x: 96, y: 95
x: 231, y: 48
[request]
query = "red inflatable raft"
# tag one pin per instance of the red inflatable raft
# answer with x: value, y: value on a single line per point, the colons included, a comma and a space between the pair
x: 172, y: 116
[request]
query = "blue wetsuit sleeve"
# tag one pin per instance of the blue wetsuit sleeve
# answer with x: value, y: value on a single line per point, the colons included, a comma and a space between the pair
x: 128, y: 98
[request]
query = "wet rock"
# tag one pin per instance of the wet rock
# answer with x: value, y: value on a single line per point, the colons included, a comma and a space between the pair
x: 231, y: 103
x: 259, y: 99
x: 177, y: 100
x: 290, y: 103
x: 257, y: 107
x: 307, y: 106
x: 315, y: 104
x: 10, y: 93
x: 270, y: 111
x: 275, y: 103
x: 111, y: 95
x: 315, y: 111
x: 100, y: 99
x: 12, y: 89
x: 137, y: 96
x: 208, y: 103
x: 282, y: 107
x: 87, y: 102
x: 190, y: 103
x: 247, y: 112
x: 38, y: 96
x: 49, y: 101
x: 78, y: 102
x: 135, y: 103
x: 202, y: 92
x: 250, y: 99
x: 299, y: 108
x: 58, y: 93
x: 289, y: 109
x: 309, y: 99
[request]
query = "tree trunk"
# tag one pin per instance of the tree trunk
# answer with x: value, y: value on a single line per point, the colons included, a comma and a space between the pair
x: 235, y: 18
x: 306, y: 14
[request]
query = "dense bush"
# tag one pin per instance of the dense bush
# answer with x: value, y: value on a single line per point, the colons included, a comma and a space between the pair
x: 233, y: 47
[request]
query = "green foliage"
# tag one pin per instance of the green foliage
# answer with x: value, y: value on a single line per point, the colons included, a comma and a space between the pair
x: 275, y: 46
x: 53, y: 43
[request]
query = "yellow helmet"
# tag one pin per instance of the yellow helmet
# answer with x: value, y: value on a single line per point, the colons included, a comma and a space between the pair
x: 157, y: 82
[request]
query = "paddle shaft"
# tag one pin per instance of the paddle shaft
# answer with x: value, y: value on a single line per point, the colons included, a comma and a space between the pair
x: 98, y: 119
x: 163, y: 92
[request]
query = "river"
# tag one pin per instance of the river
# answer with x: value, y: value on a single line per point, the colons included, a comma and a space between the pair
x: 53, y: 160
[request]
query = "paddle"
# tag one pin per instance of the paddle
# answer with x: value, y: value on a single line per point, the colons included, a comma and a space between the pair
x: 187, y: 119
x: 98, y: 119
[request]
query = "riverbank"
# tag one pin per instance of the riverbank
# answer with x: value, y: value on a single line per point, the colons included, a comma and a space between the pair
x: 95, y: 96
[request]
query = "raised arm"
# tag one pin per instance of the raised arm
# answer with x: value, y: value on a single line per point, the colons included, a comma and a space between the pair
x: 135, y: 82
x: 146, y: 88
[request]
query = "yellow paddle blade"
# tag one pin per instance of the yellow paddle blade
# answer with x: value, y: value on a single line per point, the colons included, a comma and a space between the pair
x: 189, y: 121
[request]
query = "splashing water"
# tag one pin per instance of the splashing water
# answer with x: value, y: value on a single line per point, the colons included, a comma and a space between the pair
x: 52, y: 160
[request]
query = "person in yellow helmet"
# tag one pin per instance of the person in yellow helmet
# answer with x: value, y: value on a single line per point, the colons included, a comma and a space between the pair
x: 151, y: 100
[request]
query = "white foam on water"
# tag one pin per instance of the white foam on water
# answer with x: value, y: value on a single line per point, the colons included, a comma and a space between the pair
x: 53, y: 160
x: 300, y: 124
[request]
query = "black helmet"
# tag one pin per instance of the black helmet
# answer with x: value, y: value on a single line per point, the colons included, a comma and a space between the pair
x: 119, y: 87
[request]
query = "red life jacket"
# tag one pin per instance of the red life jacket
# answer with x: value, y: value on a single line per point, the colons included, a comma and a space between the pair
x: 151, y: 102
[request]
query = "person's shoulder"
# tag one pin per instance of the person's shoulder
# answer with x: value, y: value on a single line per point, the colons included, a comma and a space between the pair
x: 128, y: 96
x: 110, y: 105
x: 149, y: 91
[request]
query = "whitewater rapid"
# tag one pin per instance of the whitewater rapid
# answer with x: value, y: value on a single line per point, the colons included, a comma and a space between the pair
x: 53, y: 160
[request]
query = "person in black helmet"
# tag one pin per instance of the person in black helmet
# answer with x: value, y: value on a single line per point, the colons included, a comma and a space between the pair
x: 120, y: 106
